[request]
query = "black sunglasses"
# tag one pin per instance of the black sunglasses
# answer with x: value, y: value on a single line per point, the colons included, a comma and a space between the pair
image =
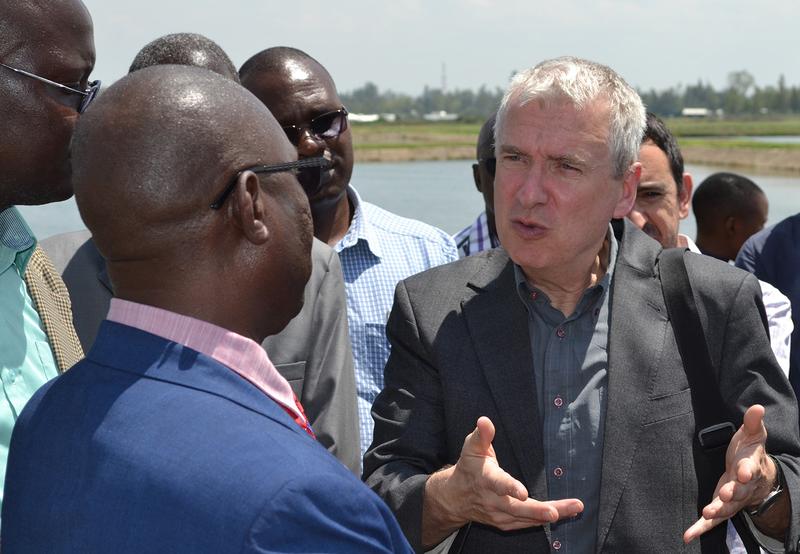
x: 326, y: 126
x: 490, y: 164
x: 308, y: 172
x: 88, y: 94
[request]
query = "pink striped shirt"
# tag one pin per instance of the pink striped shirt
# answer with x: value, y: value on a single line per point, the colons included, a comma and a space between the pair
x: 242, y: 355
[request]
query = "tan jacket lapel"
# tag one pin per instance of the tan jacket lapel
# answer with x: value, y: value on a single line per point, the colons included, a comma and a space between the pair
x: 50, y: 296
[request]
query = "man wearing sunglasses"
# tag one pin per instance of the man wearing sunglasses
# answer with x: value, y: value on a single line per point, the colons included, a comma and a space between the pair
x: 313, y: 352
x: 46, y: 56
x: 482, y: 234
x: 176, y: 433
x: 377, y: 248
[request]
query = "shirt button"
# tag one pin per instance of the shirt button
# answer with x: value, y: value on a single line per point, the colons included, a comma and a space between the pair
x: 558, y: 401
x: 558, y: 472
x: 597, y: 312
x: 561, y: 332
x: 534, y: 295
x: 556, y: 545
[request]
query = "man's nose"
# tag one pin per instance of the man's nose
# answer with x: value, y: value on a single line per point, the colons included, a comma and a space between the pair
x: 310, y: 145
x: 533, y: 189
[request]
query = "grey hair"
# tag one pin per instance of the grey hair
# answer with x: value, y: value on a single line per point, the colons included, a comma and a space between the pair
x: 581, y: 82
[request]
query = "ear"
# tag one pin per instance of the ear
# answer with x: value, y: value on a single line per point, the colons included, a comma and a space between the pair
x: 630, y: 182
x: 248, y: 208
x: 731, y: 226
x: 685, y: 196
x: 476, y: 176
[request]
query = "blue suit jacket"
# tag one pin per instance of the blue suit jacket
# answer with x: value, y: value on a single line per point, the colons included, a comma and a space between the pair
x: 149, y: 446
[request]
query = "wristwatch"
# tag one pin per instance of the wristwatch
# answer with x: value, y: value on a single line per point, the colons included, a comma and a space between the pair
x: 774, y: 495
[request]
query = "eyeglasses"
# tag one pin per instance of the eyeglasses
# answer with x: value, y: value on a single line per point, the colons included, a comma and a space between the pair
x: 88, y: 94
x: 308, y: 172
x: 490, y: 164
x: 326, y: 126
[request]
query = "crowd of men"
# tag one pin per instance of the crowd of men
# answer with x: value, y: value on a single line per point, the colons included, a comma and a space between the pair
x: 238, y: 336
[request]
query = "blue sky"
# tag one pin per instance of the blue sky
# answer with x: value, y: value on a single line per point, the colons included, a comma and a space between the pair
x: 402, y: 45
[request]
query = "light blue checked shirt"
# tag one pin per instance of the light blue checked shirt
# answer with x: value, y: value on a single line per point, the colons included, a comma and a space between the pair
x: 379, y: 250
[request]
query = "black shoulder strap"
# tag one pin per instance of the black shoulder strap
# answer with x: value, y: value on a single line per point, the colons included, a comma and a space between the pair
x: 710, y: 413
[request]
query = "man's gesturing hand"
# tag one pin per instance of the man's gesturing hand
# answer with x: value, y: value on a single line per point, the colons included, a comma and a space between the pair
x: 750, y: 475
x: 477, y: 489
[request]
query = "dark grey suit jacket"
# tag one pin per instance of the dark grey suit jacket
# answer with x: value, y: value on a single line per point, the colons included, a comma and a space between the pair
x: 460, y: 350
x: 313, y: 352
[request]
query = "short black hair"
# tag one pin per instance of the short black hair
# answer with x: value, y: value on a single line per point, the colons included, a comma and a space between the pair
x: 658, y: 134
x: 723, y: 195
x: 185, y: 49
x: 272, y: 59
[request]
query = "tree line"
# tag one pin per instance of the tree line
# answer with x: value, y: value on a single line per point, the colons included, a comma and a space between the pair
x: 741, y: 97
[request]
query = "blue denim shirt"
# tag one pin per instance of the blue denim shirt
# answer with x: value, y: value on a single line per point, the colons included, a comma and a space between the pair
x: 570, y: 363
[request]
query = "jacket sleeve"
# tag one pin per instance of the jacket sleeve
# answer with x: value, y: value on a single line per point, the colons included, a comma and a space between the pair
x: 329, y: 391
x: 323, y: 512
x: 410, y: 432
x: 749, y: 374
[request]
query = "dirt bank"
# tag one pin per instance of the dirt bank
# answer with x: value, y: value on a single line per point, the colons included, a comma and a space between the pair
x: 762, y: 160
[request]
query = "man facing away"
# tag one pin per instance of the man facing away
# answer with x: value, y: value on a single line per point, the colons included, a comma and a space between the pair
x: 176, y: 433
x: 377, y: 248
x: 773, y: 255
x: 313, y: 352
x: 560, y: 341
x: 43, y: 88
x: 662, y: 201
x: 482, y: 234
x: 729, y: 209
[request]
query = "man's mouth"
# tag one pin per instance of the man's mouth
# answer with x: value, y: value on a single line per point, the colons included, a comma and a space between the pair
x: 529, y: 229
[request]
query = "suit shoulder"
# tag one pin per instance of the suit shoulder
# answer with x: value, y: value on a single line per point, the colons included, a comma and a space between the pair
x: 61, y: 248
x: 458, y: 273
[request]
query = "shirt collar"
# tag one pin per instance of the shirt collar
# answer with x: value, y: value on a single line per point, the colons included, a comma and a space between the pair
x: 244, y: 356
x: 360, y: 227
x: 684, y: 241
x: 16, y: 240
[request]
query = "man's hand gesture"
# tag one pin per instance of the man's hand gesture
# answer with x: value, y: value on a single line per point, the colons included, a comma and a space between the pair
x: 750, y: 475
x: 477, y: 489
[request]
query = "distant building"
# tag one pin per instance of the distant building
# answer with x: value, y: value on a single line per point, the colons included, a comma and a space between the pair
x: 441, y: 115
x: 371, y: 117
x: 696, y: 112
x: 363, y: 117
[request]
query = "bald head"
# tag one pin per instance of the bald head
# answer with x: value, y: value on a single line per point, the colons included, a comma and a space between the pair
x: 285, y: 60
x: 150, y: 158
x: 160, y: 163
x: 52, y: 39
x: 298, y: 90
x: 186, y: 49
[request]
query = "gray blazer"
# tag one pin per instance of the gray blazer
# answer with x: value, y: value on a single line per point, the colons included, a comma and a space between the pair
x: 460, y: 350
x: 313, y: 352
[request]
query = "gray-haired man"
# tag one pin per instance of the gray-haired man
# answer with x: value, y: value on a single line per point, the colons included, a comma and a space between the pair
x: 559, y: 347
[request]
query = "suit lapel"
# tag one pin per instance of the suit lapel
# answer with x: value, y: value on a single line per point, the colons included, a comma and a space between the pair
x: 51, y: 299
x: 498, y: 324
x: 636, y: 338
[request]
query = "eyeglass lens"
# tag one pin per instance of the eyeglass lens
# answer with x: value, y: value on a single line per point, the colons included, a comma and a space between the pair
x: 91, y: 92
x: 325, y: 126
